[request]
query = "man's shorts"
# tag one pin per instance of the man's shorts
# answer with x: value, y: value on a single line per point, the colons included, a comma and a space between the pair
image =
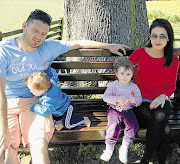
x: 26, y: 126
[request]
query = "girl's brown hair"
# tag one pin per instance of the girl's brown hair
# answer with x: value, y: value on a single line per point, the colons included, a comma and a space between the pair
x: 39, y: 80
x: 123, y: 62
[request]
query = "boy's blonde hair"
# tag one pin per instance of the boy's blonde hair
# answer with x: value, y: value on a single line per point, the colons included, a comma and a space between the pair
x: 39, y: 80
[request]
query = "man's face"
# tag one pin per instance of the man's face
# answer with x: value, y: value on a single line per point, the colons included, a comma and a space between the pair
x: 35, y: 32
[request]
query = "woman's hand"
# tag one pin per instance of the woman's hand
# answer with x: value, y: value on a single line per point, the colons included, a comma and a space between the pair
x: 160, y: 100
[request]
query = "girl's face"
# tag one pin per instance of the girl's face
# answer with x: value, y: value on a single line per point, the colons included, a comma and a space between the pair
x: 124, y: 76
x: 159, y: 37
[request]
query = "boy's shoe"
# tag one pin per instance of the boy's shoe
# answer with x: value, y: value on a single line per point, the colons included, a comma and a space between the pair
x: 107, y: 154
x: 123, y: 154
x: 87, y: 121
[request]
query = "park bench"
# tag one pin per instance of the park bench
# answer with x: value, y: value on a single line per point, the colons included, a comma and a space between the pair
x: 84, y: 75
x: 96, y: 72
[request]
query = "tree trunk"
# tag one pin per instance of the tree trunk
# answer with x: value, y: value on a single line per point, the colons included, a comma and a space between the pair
x: 111, y: 21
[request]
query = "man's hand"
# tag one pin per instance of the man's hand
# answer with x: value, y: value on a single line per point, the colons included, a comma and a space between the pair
x: 114, y: 48
x: 5, y: 138
x: 5, y: 142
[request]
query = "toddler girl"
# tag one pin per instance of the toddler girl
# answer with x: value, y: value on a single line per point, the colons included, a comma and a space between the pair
x: 121, y: 95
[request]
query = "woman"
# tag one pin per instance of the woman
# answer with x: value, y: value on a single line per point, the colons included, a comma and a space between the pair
x: 156, y: 69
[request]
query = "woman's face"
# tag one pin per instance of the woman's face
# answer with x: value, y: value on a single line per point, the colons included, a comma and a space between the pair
x: 159, y: 37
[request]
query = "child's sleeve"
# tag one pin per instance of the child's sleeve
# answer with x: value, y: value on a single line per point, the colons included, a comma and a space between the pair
x: 44, y: 108
x: 137, y: 95
x: 109, y: 95
x: 52, y: 74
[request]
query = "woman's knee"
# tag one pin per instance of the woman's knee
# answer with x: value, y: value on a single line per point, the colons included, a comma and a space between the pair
x: 160, y: 116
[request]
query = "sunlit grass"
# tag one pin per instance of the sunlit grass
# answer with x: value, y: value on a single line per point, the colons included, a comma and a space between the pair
x: 169, y: 10
x: 15, y: 12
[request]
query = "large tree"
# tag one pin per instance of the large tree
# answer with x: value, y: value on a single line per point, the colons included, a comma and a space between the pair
x: 112, y: 21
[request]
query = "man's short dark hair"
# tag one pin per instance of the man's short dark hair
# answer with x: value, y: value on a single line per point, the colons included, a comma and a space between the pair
x: 40, y: 15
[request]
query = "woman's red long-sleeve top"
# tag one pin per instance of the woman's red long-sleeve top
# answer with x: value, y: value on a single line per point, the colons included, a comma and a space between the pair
x: 151, y: 76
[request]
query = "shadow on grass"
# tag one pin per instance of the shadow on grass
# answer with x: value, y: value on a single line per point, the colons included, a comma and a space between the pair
x: 90, y: 154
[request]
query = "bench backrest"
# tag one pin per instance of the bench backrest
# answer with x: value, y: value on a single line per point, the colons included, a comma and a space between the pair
x: 86, y: 72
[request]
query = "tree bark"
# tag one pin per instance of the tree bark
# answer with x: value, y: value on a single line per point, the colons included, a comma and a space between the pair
x: 111, y: 21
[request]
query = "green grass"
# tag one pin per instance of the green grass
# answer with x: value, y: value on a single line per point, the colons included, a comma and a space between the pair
x: 169, y: 10
x: 15, y: 12
x: 176, y: 28
x: 90, y: 153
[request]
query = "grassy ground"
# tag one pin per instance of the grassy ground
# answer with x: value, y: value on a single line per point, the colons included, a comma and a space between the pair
x: 90, y: 154
x: 169, y: 10
x: 14, y: 12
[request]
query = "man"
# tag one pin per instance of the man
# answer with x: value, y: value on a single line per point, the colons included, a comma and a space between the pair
x: 20, y: 57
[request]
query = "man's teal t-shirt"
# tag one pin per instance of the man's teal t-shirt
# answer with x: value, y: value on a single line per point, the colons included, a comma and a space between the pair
x: 16, y: 64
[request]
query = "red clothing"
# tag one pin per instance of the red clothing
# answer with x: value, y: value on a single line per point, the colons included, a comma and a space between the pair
x: 152, y: 78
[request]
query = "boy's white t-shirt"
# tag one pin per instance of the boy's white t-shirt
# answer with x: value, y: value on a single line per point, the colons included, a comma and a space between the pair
x: 16, y: 64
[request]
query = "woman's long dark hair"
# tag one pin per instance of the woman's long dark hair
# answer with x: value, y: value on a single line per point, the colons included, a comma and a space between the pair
x: 168, y: 49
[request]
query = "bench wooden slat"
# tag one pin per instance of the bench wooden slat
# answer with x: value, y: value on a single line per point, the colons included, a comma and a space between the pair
x: 82, y: 90
x: 86, y: 77
x: 174, y: 117
x: 55, y: 29
x: 87, y: 135
x: 87, y: 53
x: 53, y: 34
x: 79, y: 136
x: 82, y: 65
x: 175, y: 112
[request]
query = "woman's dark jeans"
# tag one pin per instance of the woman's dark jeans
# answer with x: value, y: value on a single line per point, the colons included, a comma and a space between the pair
x: 158, y: 130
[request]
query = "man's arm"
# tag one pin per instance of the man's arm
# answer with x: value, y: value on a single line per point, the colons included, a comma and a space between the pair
x: 114, y: 48
x: 5, y: 140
